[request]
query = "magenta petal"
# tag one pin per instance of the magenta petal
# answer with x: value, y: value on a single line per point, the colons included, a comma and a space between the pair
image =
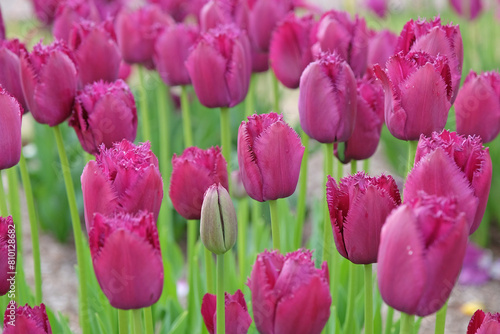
x: 250, y: 173
x: 10, y: 130
x: 475, y: 322
x: 237, y: 318
x: 208, y: 309
x: 481, y: 183
x: 239, y: 70
x: 337, y: 209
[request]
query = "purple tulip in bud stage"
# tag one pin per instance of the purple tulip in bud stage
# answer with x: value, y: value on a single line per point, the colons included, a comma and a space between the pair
x: 327, y: 100
x: 237, y: 318
x: 10, y: 130
x: 8, y: 254
x: 70, y: 13
x: 193, y: 172
x: 421, y: 251
x: 26, y: 319
x: 127, y: 259
x: 10, y: 72
x: 477, y: 106
x: 123, y: 178
x: 484, y: 323
x: 469, y: 9
x: 289, y: 295
x: 381, y: 47
x: 49, y: 79
x: 45, y: 10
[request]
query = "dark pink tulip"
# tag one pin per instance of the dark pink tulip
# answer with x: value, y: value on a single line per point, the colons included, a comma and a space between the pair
x: 70, y: 13
x: 435, y: 39
x: 237, y: 318
x: 216, y: 12
x: 26, y: 319
x: 8, y: 254
x: 477, y: 106
x: 124, y: 71
x: 10, y: 130
x: 137, y: 33
x: 127, y: 259
x: 421, y: 251
x: 260, y: 61
x: 109, y: 8
x: 193, y: 172
x: 104, y: 113
x: 462, y: 168
x: 290, y: 50
x: 124, y: 178
x: 96, y: 51
x: 170, y: 65
x: 484, y: 323
x: 181, y: 9
x: 381, y: 47
x: 289, y: 295
x: 10, y: 72
x: 327, y: 100
x: 378, y: 7
x: 269, y: 155
x: 358, y: 208
x: 2, y: 27
x: 368, y: 124
x: 45, y: 10
x: 470, y: 9
x: 337, y: 32
x: 415, y: 77
x: 220, y: 67
x: 49, y: 79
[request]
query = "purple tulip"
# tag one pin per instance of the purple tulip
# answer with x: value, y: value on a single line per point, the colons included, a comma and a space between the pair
x: 70, y: 13
x: 45, y: 10
x: 378, y: 7
x: 336, y: 32
x: 327, y: 100
x: 124, y: 178
x: 96, y: 51
x: 193, y: 172
x: 484, y: 323
x: 237, y: 318
x: 435, y: 39
x: 10, y: 130
x: 10, y: 72
x: 421, y: 251
x: 2, y: 27
x: 127, y: 259
x: 170, y: 65
x: 447, y: 164
x: 415, y: 77
x: 220, y: 67
x: 49, y: 79
x: 289, y: 295
x: 477, y: 106
x: 381, y: 47
x: 25, y: 319
x: 8, y: 254
x: 137, y: 33
x: 358, y: 208
x: 109, y: 8
x: 469, y: 9
x: 181, y: 9
x: 290, y: 50
x: 269, y: 155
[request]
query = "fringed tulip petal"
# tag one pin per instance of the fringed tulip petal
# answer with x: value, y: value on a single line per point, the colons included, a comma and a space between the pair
x: 26, y: 320
x: 10, y: 130
x: 10, y: 71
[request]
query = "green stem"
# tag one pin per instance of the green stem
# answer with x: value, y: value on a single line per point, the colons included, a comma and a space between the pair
x: 412, y: 150
x: 351, y: 297
x: 148, y: 318
x: 209, y: 269
x: 30, y: 203
x: 389, y: 320
x: 406, y: 323
x: 221, y: 312
x: 354, y: 167
x: 123, y: 321
x: 192, y: 226
x: 137, y: 316
x: 4, y: 211
x: 366, y: 166
x: 276, y: 93
x: 77, y: 232
x: 226, y: 139
x: 250, y: 99
x: 327, y: 227
x: 144, y: 119
x: 275, y: 224
x: 186, y: 118
x: 301, y: 202
x: 340, y: 171
x: 15, y: 211
x: 368, y: 299
x: 441, y: 319
x: 243, y: 212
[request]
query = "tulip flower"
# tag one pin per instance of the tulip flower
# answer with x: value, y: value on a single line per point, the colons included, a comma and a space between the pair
x: 96, y: 51
x: 104, y: 113
x: 109, y: 8
x: 220, y: 66
x: 2, y: 27
x: 289, y: 295
x: 378, y: 7
x: 237, y: 318
x: 336, y: 32
x: 260, y: 61
x: 123, y: 178
x: 269, y: 155
x: 8, y: 254
x: 448, y: 164
x: 435, y: 39
x: 49, y: 79
x: 217, y: 12
x: 127, y: 259
x: 69, y: 13
x: 358, y: 208
x: 415, y: 77
x: 124, y: 71
x: 484, y: 323
x: 26, y: 319
x: 10, y: 75
x: 181, y: 9
x: 193, y: 172
x: 422, y: 247
x: 45, y: 10
x: 137, y: 33
x: 290, y: 49
x: 381, y: 47
x: 10, y: 130
x: 170, y: 65
x: 327, y: 100
x: 368, y: 124
x: 477, y: 106
x: 469, y: 9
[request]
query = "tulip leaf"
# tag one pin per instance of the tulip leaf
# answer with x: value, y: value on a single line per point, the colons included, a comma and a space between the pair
x: 180, y: 324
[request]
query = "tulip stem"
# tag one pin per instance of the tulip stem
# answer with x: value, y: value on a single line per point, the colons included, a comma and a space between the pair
x: 137, y: 315
x: 30, y: 203
x: 351, y: 299
x: 221, y: 312
x: 144, y: 119
x: 275, y: 224
x: 77, y: 232
x: 123, y: 321
x: 441, y: 319
x: 192, y: 226
x: 301, y: 202
x: 209, y: 269
x: 249, y: 101
x: 406, y: 323
x: 186, y: 118
x: 368, y: 299
x: 354, y: 167
x: 388, y: 320
x: 4, y: 211
x: 412, y: 150
x: 225, y: 135
x: 366, y: 166
x: 327, y: 226
x: 243, y: 212
x: 276, y: 91
x: 148, y: 318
